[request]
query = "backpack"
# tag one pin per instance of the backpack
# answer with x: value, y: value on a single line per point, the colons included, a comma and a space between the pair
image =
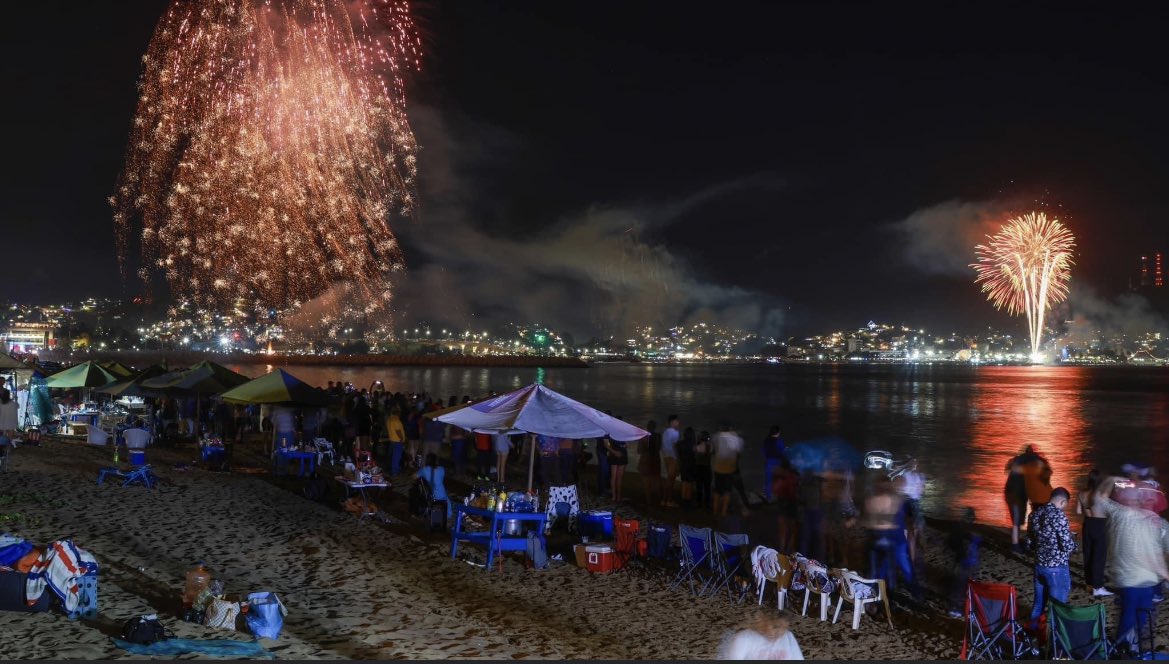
x: 145, y: 630
x: 536, y: 552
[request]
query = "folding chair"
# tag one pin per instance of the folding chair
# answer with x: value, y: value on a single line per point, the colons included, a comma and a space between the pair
x: 626, y: 531
x: 767, y: 567
x: 993, y: 630
x: 1076, y: 632
x: 859, y: 591
x: 814, y: 580
x: 325, y: 449
x: 727, y: 559
x: 140, y: 475
x: 696, y: 559
x: 562, y: 495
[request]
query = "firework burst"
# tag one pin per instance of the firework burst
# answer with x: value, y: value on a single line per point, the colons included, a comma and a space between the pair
x: 1025, y: 268
x: 269, y: 152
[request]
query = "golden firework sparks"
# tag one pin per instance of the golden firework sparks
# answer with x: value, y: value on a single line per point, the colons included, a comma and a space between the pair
x: 270, y: 150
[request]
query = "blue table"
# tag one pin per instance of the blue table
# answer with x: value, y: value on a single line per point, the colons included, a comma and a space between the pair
x: 288, y: 455
x: 493, y: 538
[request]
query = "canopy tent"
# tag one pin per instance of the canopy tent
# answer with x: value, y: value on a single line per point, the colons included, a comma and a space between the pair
x: 133, y: 386
x: 39, y: 410
x: 86, y: 374
x: 539, y: 410
x: 279, y: 387
x: 202, y: 378
x: 117, y: 368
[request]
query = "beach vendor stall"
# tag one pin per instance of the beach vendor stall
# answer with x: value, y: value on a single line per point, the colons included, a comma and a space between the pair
x: 533, y: 409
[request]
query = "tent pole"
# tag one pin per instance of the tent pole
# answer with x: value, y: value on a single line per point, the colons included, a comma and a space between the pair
x: 531, y: 460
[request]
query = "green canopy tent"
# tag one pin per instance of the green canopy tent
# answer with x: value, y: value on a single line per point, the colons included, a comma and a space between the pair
x: 277, y: 387
x: 86, y: 374
x: 133, y: 386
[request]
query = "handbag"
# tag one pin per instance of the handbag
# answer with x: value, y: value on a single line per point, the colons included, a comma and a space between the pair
x: 145, y: 630
x: 221, y: 614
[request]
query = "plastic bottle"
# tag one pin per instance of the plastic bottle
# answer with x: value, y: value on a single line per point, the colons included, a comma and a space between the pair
x: 197, y: 580
x: 491, y: 501
x: 115, y: 454
x: 502, y: 500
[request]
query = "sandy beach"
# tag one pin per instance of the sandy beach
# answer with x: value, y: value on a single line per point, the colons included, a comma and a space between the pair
x: 376, y: 589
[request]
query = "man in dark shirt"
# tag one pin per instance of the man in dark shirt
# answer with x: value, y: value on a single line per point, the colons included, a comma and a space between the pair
x: 1052, y: 542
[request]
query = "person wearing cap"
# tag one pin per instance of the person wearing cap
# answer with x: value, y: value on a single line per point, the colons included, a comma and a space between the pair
x: 1138, y: 542
x: 1050, y: 537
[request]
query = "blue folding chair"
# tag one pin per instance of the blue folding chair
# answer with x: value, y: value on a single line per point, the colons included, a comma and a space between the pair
x: 696, y: 559
x: 727, y: 558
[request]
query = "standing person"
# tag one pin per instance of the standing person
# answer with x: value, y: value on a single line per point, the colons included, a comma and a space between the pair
x: 649, y: 464
x: 360, y: 418
x: 670, y: 459
x: 458, y: 438
x: 1095, y: 536
x: 283, y: 427
x: 9, y: 418
x: 1050, y: 538
x: 785, y: 488
x: 885, y: 519
x: 702, y: 473
x: 548, y: 450
x: 567, y: 452
x: 773, y: 454
x: 911, y: 484
x: 1138, y: 542
x: 812, y: 515
x: 603, y: 472
x: 396, y: 431
x: 433, y: 432
x: 413, y: 425
x: 618, y: 458
x: 502, y: 444
x: 482, y: 456
x: 1015, y: 493
x: 687, y: 469
x: 724, y: 461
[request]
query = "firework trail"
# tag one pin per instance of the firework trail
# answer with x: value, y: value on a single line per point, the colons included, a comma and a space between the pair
x: 1025, y: 268
x: 269, y: 150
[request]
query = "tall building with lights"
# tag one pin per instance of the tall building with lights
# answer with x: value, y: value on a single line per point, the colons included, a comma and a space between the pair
x: 1150, y: 271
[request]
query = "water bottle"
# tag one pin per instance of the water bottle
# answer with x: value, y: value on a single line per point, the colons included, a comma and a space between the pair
x: 115, y: 455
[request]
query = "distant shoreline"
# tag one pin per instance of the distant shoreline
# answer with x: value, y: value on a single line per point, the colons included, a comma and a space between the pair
x: 186, y: 358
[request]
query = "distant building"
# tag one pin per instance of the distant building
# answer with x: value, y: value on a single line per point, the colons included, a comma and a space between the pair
x: 28, y: 337
x: 1150, y: 271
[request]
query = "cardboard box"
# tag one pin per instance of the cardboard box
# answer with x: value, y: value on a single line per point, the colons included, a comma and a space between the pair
x: 582, y: 555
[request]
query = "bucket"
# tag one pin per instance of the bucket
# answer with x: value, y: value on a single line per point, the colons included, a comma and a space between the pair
x: 137, y: 458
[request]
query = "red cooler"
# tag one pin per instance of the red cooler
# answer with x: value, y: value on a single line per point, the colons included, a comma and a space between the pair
x: 600, y: 559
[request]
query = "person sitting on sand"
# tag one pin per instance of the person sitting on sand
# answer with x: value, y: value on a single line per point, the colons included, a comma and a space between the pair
x: 766, y: 637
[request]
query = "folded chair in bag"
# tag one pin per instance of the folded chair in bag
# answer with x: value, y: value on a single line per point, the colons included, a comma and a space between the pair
x: 696, y: 559
x: 727, y: 559
x: 993, y: 630
x: 814, y: 580
x: 626, y: 531
x: 766, y: 567
x: 558, y: 495
x: 859, y: 591
x: 1076, y: 632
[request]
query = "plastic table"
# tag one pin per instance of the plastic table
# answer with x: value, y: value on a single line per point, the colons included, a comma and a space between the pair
x: 493, y: 538
x: 288, y: 455
x: 361, y: 488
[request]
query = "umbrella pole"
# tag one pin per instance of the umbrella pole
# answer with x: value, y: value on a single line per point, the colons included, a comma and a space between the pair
x: 531, y: 460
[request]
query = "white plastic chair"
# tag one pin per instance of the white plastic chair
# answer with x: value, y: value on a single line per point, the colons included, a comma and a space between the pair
x: 94, y: 435
x: 136, y: 439
x: 816, y: 582
x: 766, y: 565
x: 851, y: 590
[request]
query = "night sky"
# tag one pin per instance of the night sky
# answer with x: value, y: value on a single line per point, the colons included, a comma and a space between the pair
x: 765, y: 155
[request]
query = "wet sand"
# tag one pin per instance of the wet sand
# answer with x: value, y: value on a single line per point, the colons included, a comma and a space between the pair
x: 388, y: 589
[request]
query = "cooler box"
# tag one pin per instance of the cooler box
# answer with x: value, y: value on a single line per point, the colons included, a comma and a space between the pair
x: 137, y: 457
x: 12, y: 586
x: 596, y: 524
x: 600, y: 559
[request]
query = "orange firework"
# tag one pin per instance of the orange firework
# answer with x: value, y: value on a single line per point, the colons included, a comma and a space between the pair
x: 269, y: 152
x: 1025, y: 268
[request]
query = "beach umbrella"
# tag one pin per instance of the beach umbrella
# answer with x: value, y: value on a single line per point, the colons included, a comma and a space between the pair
x: 539, y: 410
x: 823, y: 454
x: 133, y: 386
x: 117, y: 369
x: 217, y: 373
x: 278, y: 386
x: 86, y: 374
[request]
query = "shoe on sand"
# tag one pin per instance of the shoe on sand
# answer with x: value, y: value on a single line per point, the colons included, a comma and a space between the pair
x: 1102, y: 592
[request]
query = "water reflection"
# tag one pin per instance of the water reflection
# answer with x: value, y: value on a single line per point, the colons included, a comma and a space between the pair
x: 1043, y: 408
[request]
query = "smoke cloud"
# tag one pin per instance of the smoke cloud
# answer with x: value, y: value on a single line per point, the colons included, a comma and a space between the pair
x: 1094, y: 317
x: 940, y: 239
x: 593, y: 271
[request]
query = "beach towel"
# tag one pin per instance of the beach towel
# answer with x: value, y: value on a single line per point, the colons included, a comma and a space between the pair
x: 60, y: 568
x: 208, y: 647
